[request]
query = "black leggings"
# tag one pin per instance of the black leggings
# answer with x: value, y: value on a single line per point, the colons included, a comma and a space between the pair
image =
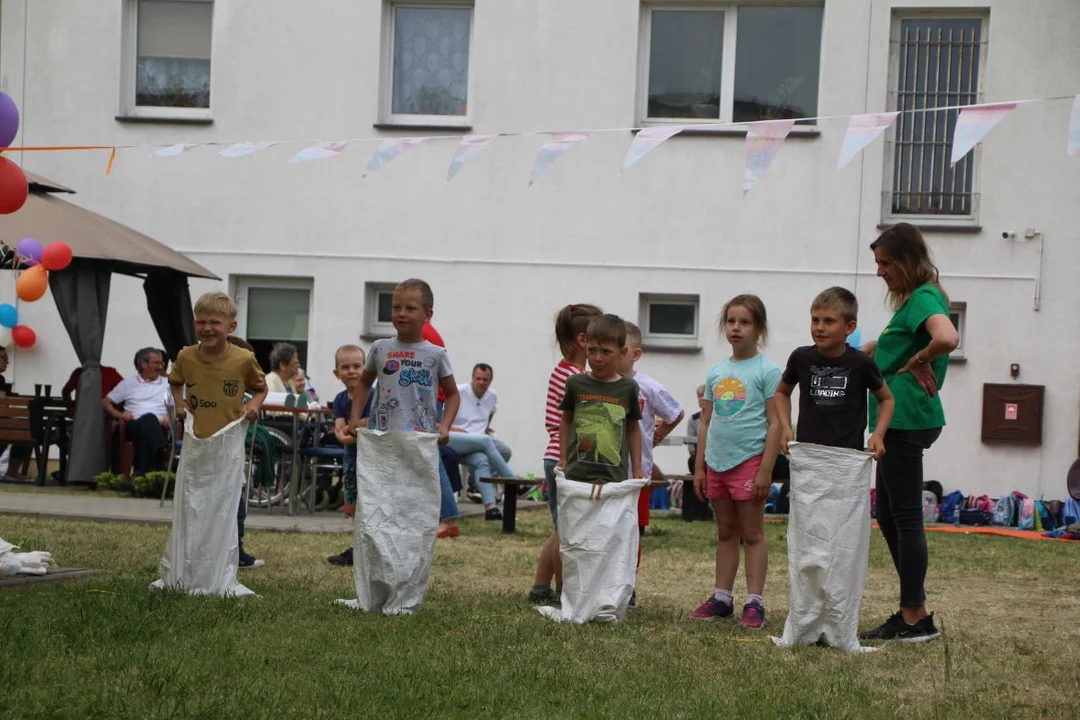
x: 900, y: 510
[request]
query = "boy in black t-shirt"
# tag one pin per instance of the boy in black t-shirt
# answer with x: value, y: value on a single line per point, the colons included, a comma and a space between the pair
x: 833, y: 379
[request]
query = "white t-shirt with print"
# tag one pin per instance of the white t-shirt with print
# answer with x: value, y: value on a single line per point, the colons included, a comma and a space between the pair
x: 475, y: 413
x: 656, y: 402
x: 408, y: 384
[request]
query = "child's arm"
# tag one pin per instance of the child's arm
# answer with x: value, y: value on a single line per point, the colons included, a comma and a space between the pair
x: 566, y: 422
x: 886, y: 405
x: 341, y: 433
x: 699, y: 458
x: 665, y: 429
x: 254, y: 406
x: 633, y: 441
x: 178, y: 401
x: 359, y: 399
x: 450, y: 408
x: 783, y: 414
x: 763, y: 480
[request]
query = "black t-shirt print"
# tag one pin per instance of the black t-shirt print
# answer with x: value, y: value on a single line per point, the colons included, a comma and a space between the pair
x: 832, y: 395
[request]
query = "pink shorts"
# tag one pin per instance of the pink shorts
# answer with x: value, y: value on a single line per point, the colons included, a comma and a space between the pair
x: 734, y: 484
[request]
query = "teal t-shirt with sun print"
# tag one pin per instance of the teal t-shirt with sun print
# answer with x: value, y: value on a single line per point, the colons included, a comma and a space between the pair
x: 738, y: 390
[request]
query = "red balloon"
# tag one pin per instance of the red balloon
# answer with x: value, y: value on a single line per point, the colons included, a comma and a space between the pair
x: 56, y: 256
x: 13, y: 187
x: 23, y: 336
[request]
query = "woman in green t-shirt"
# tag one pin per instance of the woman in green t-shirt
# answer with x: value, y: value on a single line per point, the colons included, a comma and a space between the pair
x: 913, y: 354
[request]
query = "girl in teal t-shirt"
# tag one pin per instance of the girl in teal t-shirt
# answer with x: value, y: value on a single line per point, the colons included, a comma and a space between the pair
x: 913, y: 355
x: 738, y: 444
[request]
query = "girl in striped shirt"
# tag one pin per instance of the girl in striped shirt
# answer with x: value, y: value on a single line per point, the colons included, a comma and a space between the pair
x: 570, y: 325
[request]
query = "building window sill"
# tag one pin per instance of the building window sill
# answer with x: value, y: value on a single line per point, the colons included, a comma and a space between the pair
x: 930, y: 226
x: 680, y: 349
x: 805, y: 132
x: 165, y: 119
x: 373, y: 336
x: 957, y: 360
x: 423, y: 127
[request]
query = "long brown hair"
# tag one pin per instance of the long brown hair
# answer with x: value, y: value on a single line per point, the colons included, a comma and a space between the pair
x: 757, y: 311
x: 905, y: 246
x: 571, y: 321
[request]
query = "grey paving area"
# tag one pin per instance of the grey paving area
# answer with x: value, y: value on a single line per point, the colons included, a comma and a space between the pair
x: 87, y: 506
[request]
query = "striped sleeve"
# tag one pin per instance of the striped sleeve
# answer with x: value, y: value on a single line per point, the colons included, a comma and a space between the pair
x: 552, y: 414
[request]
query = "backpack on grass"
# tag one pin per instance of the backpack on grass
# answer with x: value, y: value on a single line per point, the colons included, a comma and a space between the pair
x: 1044, y: 519
x: 1005, y: 511
x: 951, y: 505
x: 1026, y: 520
x: 1070, y: 512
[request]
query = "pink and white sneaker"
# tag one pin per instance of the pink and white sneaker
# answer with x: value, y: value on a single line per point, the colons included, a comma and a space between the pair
x: 713, y: 609
x: 753, y: 616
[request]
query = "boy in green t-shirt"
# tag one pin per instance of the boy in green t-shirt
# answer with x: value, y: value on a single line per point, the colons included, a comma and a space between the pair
x: 599, y: 434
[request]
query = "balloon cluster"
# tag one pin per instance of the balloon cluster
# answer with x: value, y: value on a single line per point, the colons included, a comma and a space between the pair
x: 37, y: 258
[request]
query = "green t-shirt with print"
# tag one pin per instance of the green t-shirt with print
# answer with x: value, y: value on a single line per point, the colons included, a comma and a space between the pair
x: 603, y: 412
x: 906, y: 335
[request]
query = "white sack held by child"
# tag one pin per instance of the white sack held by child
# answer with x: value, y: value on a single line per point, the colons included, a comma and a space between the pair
x: 828, y: 537
x: 598, y: 544
x: 203, y: 551
x: 16, y: 563
x: 397, y: 519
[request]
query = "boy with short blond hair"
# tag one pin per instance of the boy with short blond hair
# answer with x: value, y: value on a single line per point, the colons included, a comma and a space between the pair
x: 208, y: 380
x: 349, y: 363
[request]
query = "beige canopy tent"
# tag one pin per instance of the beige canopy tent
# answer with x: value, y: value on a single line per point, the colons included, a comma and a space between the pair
x: 101, y: 247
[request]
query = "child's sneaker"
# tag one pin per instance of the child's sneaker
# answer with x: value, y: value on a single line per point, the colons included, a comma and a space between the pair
x: 249, y: 561
x: 713, y: 609
x: 753, y: 615
x: 542, y: 595
x: 896, y: 629
x: 343, y: 558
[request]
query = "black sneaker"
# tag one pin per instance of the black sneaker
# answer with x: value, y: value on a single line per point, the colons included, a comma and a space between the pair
x: 633, y: 599
x: 896, y: 629
x: 249, y: 561
x: 343, y: 559
x: 493, y: 514
x: 474, y: 496
x: 542, y: 596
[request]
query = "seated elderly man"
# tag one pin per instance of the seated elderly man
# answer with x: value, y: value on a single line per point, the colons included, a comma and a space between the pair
x: 145, y: 411
x: 471, y: 436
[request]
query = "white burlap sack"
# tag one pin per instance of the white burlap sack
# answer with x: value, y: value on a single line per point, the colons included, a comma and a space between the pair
x: 598, y: 544
x: 828, y: 545
x: 203, y: 551
x: 397, y: 519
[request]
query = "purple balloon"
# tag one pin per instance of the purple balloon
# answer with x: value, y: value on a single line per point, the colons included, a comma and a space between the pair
x: 9, y: 120
x: 30, y: 251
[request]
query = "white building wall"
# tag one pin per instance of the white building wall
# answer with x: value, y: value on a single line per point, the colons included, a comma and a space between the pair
x: 503, y: 258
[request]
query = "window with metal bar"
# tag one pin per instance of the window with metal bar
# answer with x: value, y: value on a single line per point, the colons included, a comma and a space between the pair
x: 938, y: 63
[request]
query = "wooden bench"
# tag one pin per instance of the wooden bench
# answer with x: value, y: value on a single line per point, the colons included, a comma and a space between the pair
x: 510, y: 498
x: 38, y: 423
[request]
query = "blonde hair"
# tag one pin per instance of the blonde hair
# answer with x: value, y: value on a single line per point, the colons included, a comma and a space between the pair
x: 840, y: 300
x: 426, y: 296
x: 757, y: 312
x: 903, y: 243
x: 633, y: 334
x: 216, y: 303
x: 345, y: 349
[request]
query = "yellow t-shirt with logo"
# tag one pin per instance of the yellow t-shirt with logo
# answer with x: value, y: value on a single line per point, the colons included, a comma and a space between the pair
x: 215, y: 390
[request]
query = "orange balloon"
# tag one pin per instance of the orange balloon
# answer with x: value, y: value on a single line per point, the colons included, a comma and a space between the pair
x: 32, y: 284
x: 13, y: 187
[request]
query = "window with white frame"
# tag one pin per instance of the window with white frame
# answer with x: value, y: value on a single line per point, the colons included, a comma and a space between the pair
x: 937, y: 61
x: 166, y: 58
x: 705, y: 63
x: 958, y: 316
x: 426, y: 62
x: 379, y: 309
x: 669, y: 320
x: 272, y: 310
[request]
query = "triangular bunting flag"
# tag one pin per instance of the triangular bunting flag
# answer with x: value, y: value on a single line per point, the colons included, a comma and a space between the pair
x: 174, y: 150
x: 763, y: 141
x: 319, y: 152
x: 550, y: 151
x: 469, y: 147
x: 646, y: 141
x: 244, y: 148
x: 389, y: 150
x: 972, y: 124
x: 1074, y: 128
x: 863, y: 130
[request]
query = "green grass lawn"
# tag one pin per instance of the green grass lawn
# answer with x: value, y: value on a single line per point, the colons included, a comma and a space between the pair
x: 107, y: 647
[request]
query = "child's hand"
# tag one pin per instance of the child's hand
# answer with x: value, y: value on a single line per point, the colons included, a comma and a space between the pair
x: 251, y: 412
x: 762, y: 485
x: 699, y: 484
x: 349, y: 510
x: 181, y: 413
x: 876, y: 445
x: 786, y: 436
x: 444, y: 436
